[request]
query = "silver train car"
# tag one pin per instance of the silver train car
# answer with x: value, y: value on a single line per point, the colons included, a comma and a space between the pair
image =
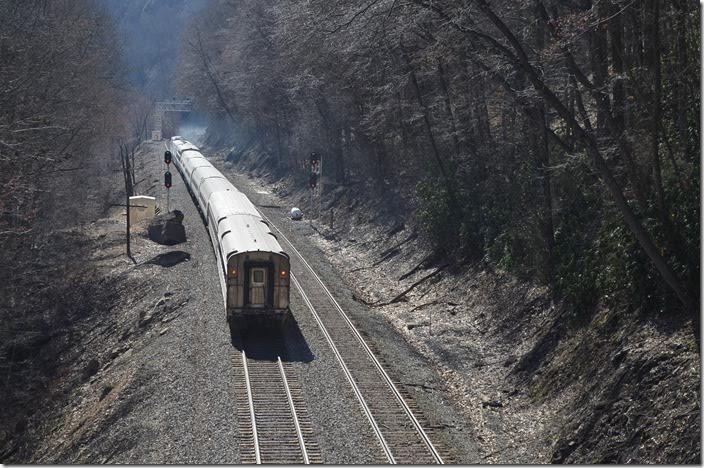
x: 254, y: 267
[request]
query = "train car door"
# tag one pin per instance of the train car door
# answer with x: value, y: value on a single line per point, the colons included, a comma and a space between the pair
x: 260, y: 285
x: 257, y: 287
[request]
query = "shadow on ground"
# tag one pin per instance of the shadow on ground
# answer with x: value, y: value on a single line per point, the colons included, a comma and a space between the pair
x: 169, y: 259
x: 262, y: 340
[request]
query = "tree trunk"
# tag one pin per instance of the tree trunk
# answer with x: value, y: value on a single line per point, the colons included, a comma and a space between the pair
x: 543, y: 163
x: 654, y: 10
x: 213, y: 80
x: 681, y: 84
x: 615, y: 32
x: 599, y: 59
x: 426, y: 120
x: 448, y: 108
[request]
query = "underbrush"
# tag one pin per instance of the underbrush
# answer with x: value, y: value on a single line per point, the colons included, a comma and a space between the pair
x: 592, y: 256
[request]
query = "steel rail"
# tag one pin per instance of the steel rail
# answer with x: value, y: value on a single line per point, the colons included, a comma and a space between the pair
x: 355, y: 388
x: 299, y: 433
x: 252, y: 416
x: 419, y: 429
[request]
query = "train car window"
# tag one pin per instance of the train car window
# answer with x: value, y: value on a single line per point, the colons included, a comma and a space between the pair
x: 257, y: 276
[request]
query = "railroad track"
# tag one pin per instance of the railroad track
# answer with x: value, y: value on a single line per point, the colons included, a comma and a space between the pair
x: 400, y: 434
x: 274, y: 427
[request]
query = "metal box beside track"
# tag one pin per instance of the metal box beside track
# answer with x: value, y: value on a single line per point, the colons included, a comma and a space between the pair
x: 142, y: 207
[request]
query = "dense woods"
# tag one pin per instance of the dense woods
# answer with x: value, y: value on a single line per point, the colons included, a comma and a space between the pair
x: 559, y: 140
x: 58, y: 94
x: 61, y: 95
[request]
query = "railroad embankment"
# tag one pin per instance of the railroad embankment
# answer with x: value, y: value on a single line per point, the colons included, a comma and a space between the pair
x: 538, y: 381
x: 116, y: 353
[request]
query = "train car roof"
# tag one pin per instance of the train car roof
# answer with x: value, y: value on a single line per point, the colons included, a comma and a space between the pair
x: 231, y: 202
x: 192, y: 162
x: 241, y: 233
x: 205, y: 172
x: 214, y: 185
x: 187, y: 147
x: 193, y: 155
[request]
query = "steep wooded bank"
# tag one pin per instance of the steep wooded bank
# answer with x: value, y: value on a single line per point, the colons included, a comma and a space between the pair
x: 537, y: 382
x: 61, y: 100
x: 559, y: 140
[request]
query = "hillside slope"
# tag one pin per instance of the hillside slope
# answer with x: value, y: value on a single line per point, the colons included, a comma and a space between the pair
x: 543, y: 383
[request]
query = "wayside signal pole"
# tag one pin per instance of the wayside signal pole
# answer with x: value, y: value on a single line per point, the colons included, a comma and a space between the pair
x: 167, y: 179
x: 314, y: 174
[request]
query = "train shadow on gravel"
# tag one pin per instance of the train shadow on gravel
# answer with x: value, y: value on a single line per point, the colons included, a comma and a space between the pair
x: 267, y: 341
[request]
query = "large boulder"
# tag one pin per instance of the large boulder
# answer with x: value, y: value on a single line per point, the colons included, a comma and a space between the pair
x: 167, y: 228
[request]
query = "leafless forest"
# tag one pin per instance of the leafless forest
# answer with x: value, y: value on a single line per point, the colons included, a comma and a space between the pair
x: 60, y: 95
x: 556, y: 140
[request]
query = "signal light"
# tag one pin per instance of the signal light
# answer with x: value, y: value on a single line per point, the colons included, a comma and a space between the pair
x: 313, y: 159
x: 167, y: 157
x: 313, y: 180
x: 167, y: 179
x: 233, y: 272
x: 283, y: 273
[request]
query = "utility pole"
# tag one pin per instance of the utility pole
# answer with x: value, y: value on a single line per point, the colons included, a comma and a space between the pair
x: 129, y: 190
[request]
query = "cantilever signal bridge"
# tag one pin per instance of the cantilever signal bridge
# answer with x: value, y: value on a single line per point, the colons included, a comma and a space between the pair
x: 170, y: 105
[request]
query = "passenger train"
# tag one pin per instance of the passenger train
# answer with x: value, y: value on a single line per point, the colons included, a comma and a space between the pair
x: 254, y: 267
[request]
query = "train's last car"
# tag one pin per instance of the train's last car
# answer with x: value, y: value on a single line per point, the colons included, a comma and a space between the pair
x: 254, y: 267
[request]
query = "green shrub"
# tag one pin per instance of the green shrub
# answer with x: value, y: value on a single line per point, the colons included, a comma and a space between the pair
x: 437, y: 215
